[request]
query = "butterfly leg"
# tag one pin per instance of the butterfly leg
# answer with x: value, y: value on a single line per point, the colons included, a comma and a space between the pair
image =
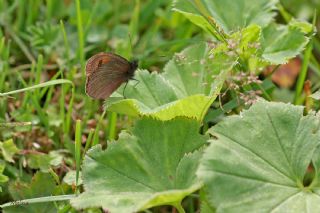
x: 125, y: 86
x: 136, y: 81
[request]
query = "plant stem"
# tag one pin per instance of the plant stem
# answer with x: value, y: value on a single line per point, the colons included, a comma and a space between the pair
x: 78, y: 150
x: 178, y: 206
x: 95, y: 140
x: 112, y: 125
x: 304, y: 70
x: 80, y: 38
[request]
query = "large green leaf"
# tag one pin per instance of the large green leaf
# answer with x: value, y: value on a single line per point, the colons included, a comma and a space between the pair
x: 257, y: 161
x: 155, y: 165
x: 280, y: 43
x: 230, y: 15
x: 187, y: 87
x: 42, y: 185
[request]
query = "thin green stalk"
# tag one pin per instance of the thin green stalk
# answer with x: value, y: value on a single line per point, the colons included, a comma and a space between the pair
x: 91, y: 106
x: 285, y: 14
x: 133, y: 29
x: 30, y: 15
x: 33, y: 11
x: 62, y: 104
x: 96, y: 132
x: 302, y: 74
x: 39, y: 66
x: 49, y: 10
x: 5, y: 67
x: 69, y: 113
x: 304, y: 69
x: 78, y: 137
x: 39, y: 69
x: 62, y: 108
x: 66, y: 43
x: 88, y: 142
x: 2, y: 45
x: 112, y: 118
x: 80, y: 38
x: 21, y: 15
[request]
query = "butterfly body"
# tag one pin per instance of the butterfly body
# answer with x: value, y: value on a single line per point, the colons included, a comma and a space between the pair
x: 106, y: 72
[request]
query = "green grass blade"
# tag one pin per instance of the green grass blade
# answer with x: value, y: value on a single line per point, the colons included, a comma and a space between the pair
x: 78, y: 138
x: 39, y: 200
x: 69, y: 112
x: 80, y: 38
x: 96, y: 132
x: 66, y: 42
x: 304, y: 69
x: 88, y: 142
x: 112, y: 118
x: 45, y: 84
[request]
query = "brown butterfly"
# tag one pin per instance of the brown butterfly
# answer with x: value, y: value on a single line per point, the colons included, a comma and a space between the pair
x: 106, y: 72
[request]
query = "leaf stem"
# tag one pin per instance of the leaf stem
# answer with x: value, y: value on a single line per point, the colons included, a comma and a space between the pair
x: 179, y: 207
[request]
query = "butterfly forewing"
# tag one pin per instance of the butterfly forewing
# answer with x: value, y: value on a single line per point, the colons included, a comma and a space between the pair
x: 103, y: 58
x: 105, y: 73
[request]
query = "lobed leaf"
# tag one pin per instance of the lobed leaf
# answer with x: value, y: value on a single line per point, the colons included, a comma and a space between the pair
x: 280, y: 43
x: 154, y: 165
x: 259, y: 158
x: 230, y: 15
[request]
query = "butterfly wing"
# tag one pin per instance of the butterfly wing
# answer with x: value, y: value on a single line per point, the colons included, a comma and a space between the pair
x: 105, y: 73
x: 102, y: 58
